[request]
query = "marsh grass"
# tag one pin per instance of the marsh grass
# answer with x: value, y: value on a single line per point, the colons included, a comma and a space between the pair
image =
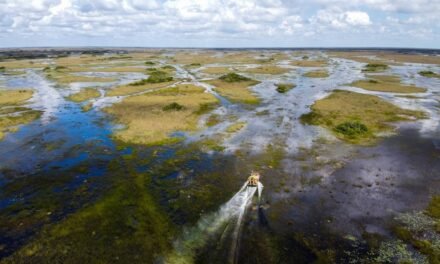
x: 429, y: 74
x: 62, y: 74
x: 84, y: 95
x: 234, y: 128
x: 148, y: 120
x: 267, y: 69
x: 217, y: 70
x: 236, y: 91
x: 357, y: 118
x: 386, y: 83
x: 126, y: 224
x: 11, y: 123
x: 213, y: 120
x: 156, y: 76
x: 14, y: 97
x: 12, y: 111
x: 173, y: 107
x: 284, y: 87
x: 309, y: 63
x: 131, y: 89
x: 375, y: 67
x: 235, y: 88
x: 316, y: 74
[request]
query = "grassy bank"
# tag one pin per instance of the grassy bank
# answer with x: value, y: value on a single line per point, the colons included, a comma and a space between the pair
x: 356, y: 118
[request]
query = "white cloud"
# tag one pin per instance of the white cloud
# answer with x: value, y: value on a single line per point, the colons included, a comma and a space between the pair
x: 338, y: 19
x: 259, y: 20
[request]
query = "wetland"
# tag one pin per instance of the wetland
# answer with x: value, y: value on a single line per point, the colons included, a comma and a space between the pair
x: 142, y: 155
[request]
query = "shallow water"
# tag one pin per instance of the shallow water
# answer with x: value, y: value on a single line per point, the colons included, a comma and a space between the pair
x: 321, y: 192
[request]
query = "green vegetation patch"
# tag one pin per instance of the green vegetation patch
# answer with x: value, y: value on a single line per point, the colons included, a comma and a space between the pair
x: 375, y: 67
x: 173, y: 107
x: 357, y: 118
x: 352, y: 129
x: 233, y: 77
x: 429, y: 74
x: 433, y: 209
x: 155, y: 77
x: 284, y: 87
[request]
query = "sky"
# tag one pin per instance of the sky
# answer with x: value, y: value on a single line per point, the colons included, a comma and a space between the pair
x: 220, y: 23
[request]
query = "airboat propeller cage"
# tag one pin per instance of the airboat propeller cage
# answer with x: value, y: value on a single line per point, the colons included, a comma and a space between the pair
x: 253, y: 179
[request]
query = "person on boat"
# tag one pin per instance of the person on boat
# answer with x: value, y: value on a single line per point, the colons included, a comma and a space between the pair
x: 253, y: 179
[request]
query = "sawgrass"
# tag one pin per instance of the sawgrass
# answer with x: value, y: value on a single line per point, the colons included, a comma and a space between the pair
x: 10, y: 123
x: 149, y: 121
x: 429, y: 74
x: 62, y: 75
x: 375, y: 67
x: 217, y: 70
x: 269, y: 69
x: 284, y: 87
x: 13, y: 97
x: 309, y: 63
x: 234, y: 128
x: 22, y: 64
x: 237, y: 91
x: 13, y: 113
x: 84, y: 95
x: 316, y: 74
x: 357, y: 118
x: 387, y: 83
x: 132, y: 89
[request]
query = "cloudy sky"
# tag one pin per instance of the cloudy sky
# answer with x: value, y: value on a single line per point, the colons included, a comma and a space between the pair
x: 220, y: 23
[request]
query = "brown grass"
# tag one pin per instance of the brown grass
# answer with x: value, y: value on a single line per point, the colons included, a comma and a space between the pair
x: 84, y: 95
x: 130, y: 89
x: 236, y: 91
x: 269, y: 69
x: 66, y: 78
x: 309, y: 63
x: 10, y: 101
x: 217, y: 70
x: 386, y: 83
x: 316, y: 74
x: 21, y: 64
x: 14, y: 97
x: 147, y: 122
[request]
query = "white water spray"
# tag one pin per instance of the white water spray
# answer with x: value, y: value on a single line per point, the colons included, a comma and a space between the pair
x: 230, y: 214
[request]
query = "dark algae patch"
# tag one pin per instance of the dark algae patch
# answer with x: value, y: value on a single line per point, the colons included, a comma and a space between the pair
x: 357, y: 118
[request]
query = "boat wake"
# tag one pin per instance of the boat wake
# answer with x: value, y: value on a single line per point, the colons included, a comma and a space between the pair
x: 225, y: 223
